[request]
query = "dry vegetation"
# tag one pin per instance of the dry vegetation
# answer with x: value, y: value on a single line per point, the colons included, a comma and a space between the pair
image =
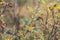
x: 31, y: 20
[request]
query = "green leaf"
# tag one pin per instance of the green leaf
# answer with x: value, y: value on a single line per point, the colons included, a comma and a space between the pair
x: 42, y: 10
x: 42, y: 1
x: 25, y: 21
x: 3, y: 37
x: 57, y: 15
x: 58, y: 30
x: 46, y: 38
x: 46, y: 32
x: 41, y: 37
x: 36, y: 30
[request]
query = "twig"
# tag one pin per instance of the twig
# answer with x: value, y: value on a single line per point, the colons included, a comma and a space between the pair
x: 53, y: 32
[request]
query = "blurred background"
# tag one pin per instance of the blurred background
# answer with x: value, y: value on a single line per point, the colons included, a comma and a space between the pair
x: 29, y: 19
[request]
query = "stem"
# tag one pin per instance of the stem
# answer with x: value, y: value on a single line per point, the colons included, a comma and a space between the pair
x: 16, y: 17
x: 53, y: 32
x: 46, y: 18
